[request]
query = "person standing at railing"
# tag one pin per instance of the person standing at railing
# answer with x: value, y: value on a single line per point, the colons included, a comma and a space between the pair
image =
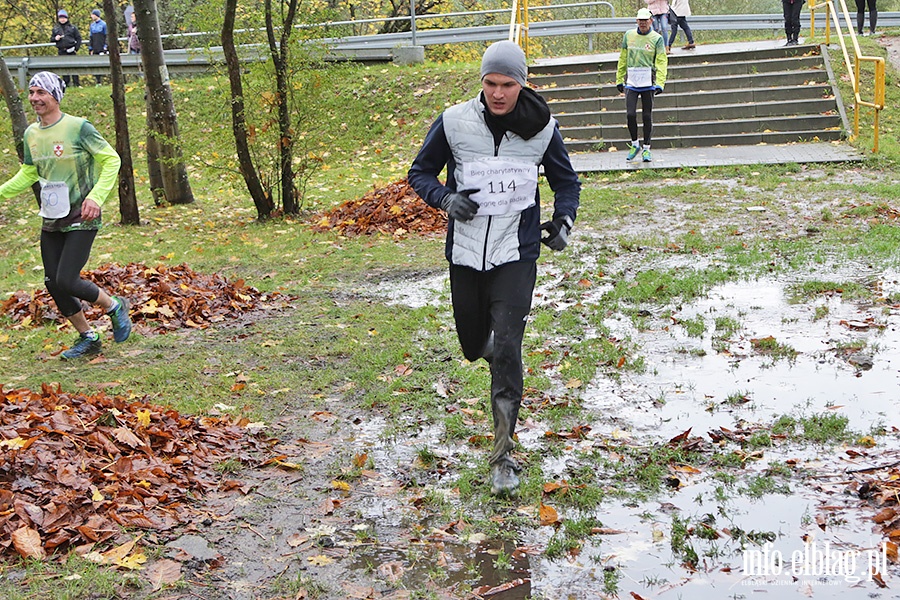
x: 861, y: 16
x: 67, y: 40
x: 134, y: 43
x: 641, y: 75
x: 492, y: 146
x: 660, y: 11
x: 97, y: 38
x: 792, y: 20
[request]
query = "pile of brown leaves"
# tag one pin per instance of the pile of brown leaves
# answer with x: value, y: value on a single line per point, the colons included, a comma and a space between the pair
x: 75, y: 469
x: 163, y: 298
x: 394, y: 209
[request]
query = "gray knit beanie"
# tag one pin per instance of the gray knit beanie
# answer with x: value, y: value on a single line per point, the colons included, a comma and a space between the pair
x: 505, y: 58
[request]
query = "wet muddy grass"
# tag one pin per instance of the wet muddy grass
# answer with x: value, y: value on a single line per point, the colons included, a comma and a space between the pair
x: 684, y: 436
x: 711, y: 380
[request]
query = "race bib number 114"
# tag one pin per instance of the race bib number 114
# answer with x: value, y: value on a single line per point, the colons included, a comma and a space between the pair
x: 504, y: 186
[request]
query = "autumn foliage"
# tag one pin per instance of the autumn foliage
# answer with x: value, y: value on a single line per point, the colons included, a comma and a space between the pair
x: 76, y: 469
x: 162, y: 298
x: 394, y: 209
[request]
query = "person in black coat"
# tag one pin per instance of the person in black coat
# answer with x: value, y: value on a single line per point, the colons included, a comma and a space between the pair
x: 67, y: 40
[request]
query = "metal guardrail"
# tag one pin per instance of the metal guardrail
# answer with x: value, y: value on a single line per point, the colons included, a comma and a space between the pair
x: 493, y: 33
x: 377, y: 47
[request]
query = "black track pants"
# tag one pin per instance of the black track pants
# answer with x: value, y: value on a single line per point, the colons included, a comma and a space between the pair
x: 64, y: 255
x: 496, y: 301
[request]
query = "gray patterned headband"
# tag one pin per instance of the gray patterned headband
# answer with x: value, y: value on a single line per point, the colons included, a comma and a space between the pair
x: 50, y: 82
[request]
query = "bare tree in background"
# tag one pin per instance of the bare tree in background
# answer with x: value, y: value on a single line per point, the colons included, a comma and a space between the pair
x: 128, y: 208
x: 161, y: 116
x: 265, y: 205
x: 280, y: 51
x: 17, y: 116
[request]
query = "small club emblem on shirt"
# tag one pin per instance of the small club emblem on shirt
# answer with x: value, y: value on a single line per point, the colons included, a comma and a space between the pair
x: 58, y: 149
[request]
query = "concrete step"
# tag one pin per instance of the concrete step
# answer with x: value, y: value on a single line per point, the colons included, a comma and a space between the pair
x: 681, y: 72
x: 794, y: 78
x: 694, y: 114
x: 699, y: 129
x: 587, y: 64
x: 741, y: 139
x: 587, y: 106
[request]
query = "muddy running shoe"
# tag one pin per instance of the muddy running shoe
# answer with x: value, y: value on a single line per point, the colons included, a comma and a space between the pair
x: 504, y: 481
x: 87, y: 344
x: 633, y: 152
x: 121, y: 322
x: 645, y: 155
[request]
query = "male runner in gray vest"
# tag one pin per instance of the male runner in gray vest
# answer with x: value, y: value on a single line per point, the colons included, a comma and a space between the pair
x: 492, y: 146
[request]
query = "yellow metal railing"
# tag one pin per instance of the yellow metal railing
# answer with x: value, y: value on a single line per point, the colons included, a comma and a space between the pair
x: 518, y: 24
x: 858, y: 58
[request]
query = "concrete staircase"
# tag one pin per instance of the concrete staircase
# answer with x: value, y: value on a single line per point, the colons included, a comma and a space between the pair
x: 728, y: 97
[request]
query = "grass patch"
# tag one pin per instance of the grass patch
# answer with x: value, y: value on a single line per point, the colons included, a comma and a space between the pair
x: 808, y: 290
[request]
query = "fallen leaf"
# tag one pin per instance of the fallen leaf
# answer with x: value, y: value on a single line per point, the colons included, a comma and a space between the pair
x: 162, y: 572
x: 548, y: 515
x: 27, y: 542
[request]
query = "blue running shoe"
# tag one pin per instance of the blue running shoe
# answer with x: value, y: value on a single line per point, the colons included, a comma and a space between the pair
x: 633, y: 152
x: 121, y: 322
x: 645, y: 156
x: 86, y: 345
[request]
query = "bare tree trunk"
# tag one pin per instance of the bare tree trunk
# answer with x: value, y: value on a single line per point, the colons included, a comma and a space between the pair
x: 17, y: 116
x: 154, y: 160
x: 128, y: 208
x: 161, y: 107
x: 281, y: 60
x: 264, y: 203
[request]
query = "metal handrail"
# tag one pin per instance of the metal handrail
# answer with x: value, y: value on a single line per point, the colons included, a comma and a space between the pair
x: 879, y: 93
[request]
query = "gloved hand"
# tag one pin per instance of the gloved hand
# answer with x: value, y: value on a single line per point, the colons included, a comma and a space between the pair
x: 620, y: 87
x: 657, y: 90
x: 557, y: 233
x: 459, y: 206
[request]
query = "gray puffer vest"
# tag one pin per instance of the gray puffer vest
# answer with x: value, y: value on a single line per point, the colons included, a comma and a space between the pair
x: 487, y: 242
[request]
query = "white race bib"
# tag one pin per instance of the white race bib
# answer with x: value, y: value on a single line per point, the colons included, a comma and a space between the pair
x: 504, y: 186
x: 640, y: 77
x: 54, y: 200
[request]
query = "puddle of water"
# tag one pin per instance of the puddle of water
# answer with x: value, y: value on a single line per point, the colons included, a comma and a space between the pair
x: 685, y: 377
x: 649, y: 567
x: 414, y: 292
x: 682, y: 389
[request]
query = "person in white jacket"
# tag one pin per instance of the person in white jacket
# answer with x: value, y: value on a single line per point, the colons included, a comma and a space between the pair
x: 679, y: 11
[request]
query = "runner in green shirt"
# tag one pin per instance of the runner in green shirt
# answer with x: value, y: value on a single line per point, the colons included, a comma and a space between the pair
x: 77, y: 170
x: 641, y: 74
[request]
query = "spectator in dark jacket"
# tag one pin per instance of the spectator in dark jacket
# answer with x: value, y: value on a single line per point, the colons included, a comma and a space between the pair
x: 67, y: 40
x: 97, y: 39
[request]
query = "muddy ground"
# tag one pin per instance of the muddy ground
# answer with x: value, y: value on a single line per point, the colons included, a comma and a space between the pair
x: 300, y: 533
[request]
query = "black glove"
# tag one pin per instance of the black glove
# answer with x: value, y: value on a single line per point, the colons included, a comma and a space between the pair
x: 620, y: 87
x: 557, y: 233
x: 657, y: 91
x: 459, y: 206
